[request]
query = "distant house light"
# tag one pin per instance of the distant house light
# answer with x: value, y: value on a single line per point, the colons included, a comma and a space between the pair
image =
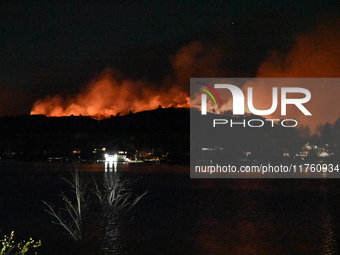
x: 216, y: 148
x: 324, y: 154
x: 247, y: 153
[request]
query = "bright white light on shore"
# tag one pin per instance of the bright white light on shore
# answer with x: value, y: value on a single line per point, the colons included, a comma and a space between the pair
x: 111, y: 160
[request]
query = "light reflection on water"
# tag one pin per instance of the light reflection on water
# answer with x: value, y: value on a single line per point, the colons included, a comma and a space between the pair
x: 100, y: 167
x: 114, y: 240
x: 329, y: 245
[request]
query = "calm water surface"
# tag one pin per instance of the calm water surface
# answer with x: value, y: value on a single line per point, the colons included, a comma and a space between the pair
x: 180, y: 215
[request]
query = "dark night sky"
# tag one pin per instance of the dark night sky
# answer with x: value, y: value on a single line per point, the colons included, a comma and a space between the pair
x: 50, y: 47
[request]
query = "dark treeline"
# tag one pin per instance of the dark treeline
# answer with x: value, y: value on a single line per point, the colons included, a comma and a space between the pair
x: 161, y: 131
x: 38, y: 137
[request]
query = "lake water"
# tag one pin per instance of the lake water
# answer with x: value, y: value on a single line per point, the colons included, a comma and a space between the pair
x: 180, y: 215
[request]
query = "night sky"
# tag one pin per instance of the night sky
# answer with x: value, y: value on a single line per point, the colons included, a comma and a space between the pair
x: 57, y: 47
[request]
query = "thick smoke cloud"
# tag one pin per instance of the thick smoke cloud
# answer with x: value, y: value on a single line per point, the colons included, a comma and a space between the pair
x: 196, y: 60
x: 315, y: 54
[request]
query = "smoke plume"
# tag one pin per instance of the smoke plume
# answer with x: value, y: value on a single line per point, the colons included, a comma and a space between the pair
x: 313, y: 55
x: 316, y: 54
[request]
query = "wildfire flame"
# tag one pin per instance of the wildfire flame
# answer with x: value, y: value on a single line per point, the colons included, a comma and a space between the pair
x: 107, y: 96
